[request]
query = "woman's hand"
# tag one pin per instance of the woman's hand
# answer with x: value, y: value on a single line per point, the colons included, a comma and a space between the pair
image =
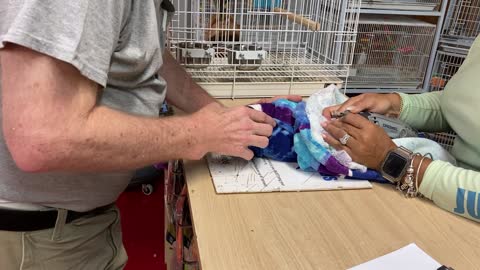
x: 368, y: 143
x: 388, y: 104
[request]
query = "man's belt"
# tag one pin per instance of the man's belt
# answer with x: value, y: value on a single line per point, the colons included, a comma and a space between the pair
x: 24, y: 221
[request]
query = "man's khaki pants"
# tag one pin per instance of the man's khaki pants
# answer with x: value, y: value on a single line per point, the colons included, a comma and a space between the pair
x: 89, y: 243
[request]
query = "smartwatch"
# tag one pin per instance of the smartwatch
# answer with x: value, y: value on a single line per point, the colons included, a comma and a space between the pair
x: 395, y: 164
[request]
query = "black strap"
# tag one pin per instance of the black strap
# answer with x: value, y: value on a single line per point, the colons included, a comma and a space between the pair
x: 24, y: 221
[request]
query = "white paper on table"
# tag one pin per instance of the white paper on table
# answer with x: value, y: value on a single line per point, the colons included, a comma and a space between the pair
x: 410, y: 257
x: 235, y: 175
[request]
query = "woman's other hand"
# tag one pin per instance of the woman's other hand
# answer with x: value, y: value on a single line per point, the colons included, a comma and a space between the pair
x: 368, y: 143
x: 388, y: 104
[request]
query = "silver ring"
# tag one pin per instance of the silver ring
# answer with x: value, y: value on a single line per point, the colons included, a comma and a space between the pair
x: 343, y: 140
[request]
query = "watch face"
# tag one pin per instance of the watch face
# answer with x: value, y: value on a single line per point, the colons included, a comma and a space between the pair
x: 394, y: 165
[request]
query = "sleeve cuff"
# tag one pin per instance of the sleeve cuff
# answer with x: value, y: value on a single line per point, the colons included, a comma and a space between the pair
x: 427, y: 187
x: 405, y: 104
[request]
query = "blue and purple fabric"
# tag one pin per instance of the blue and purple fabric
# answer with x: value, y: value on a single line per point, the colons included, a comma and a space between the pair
x: 292, y: 141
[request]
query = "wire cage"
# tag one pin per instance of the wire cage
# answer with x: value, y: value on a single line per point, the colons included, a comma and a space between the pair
x: 445, y: 139
x: 391, y: 52
x: 445, y: 66
x: 462, y: 22
x: 447, y: 63
x: 237, y: 48
x: 418, y: 5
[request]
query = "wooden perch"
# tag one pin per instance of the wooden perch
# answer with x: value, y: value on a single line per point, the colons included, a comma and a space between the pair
x: 310, y: 24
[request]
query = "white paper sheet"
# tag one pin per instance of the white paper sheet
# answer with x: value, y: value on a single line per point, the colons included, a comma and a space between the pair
x: 235, y: 175
x: 410, y: 257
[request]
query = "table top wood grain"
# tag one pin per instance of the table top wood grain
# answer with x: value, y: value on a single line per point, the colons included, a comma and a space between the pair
x: 322, y: 229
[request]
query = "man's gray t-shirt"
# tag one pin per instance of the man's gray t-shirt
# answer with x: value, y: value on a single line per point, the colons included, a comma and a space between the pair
x: 116, y: 43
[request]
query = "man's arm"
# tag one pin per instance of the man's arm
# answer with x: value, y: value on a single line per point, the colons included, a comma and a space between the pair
x: 183, y: 92
x: 51, y: 122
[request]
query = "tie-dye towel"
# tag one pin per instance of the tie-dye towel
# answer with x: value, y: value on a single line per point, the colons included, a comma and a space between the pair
x: 297, y: 138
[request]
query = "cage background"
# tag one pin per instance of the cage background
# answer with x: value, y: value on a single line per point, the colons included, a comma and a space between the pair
x: 278, y: 46
x: 446, y: 65
x: 418, y: 5
x: 462, y: 22
x: 392, y: 52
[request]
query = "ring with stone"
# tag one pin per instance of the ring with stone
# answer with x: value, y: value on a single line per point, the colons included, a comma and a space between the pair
x: 345, y: 139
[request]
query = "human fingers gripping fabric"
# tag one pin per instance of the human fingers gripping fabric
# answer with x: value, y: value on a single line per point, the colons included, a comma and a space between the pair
x: 356, y: 120
x: 327, y: 112
x: 243, y: 152
x: 260, y: 117
x: 258, y: 141
x: 255, y: 128
x: 371, y: 141
x: 347, y: 128
x: 332, y: 142
x: 346, y: 107
x: 230, y: 131
x: 338, y: 132
x: 366, y: 102
x: 263, y: 129
x: 357, y: 104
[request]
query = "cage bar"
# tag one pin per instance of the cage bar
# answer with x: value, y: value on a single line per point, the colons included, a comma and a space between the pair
x: 417, y: 5
x: 446, y: 65
x: 462, y: 22
x: 391, y: 52
x: 250, y: 45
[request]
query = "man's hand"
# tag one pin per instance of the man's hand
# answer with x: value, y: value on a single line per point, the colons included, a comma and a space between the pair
x: 230, y: 131
x: 388, y: 104
x: 294, y: 98
x: 368, y: 144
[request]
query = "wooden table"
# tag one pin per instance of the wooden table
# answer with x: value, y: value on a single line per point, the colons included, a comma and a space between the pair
x: 320, y: 230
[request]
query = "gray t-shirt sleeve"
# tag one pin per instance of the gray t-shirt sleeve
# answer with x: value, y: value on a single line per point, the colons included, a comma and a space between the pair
x: 83, y: 33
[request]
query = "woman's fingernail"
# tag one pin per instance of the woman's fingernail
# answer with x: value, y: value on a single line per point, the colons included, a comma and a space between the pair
x: 323, y: 124
x: 324, y: 136
x: 351, y: 108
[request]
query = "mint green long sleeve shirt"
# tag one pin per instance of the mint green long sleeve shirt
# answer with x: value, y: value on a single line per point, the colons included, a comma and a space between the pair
x: 455, y: 189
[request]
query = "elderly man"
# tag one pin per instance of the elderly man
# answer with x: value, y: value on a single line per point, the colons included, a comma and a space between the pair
x: 79, y: 94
